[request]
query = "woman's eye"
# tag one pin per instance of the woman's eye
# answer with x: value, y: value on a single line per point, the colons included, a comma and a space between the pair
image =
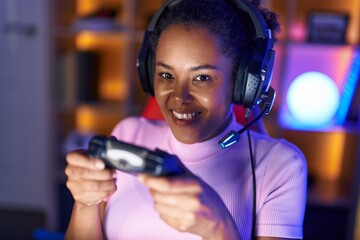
x: 166, y: 75
x: 203, y: 78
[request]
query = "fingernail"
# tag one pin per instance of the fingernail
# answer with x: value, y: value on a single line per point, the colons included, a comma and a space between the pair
x: 99, y: 165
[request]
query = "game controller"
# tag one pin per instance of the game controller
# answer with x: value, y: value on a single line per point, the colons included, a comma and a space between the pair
x: 133, y: 159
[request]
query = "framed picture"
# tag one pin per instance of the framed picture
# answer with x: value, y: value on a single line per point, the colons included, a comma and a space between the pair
x: 327, y: 27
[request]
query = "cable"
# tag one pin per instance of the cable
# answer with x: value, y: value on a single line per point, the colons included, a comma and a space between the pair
x: 253, y: 178
x: 233, y: 137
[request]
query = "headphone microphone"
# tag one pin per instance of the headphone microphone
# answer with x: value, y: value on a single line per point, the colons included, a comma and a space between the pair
x: 233, y: 136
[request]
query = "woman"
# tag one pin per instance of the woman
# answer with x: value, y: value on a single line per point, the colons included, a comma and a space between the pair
x: 198, y: 46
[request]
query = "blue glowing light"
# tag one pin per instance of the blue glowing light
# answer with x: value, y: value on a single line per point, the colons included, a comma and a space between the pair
x: 313, y: 99
x: 229, y: 144
x: 349, y: 90
x: 231, y: 138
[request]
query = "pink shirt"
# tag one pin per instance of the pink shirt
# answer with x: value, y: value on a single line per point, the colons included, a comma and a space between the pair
x: 281, y: 174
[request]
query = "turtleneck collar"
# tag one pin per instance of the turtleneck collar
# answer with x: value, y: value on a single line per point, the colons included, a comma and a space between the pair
x: 197, y: 152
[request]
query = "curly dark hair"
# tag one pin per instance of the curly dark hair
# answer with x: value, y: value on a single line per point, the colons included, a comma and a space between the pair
x: 221, y: 18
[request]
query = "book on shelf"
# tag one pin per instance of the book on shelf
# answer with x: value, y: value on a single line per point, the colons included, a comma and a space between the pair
x: 66, y: 79
x: 88, y: 74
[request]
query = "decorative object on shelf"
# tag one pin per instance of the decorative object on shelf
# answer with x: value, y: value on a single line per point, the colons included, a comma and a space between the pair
x: 103, y: 20
x: 327, y: 27
x: 313, y: 99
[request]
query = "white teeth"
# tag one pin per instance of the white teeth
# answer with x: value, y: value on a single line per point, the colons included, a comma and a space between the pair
x: 185, y: 116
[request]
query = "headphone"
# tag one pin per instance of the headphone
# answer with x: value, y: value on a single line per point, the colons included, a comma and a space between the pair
x: 253, y: 76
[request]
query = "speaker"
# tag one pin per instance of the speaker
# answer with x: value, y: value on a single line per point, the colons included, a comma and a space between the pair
x: 253, y: 77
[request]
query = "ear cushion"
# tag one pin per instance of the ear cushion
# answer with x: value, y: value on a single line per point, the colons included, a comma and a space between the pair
x: 240, y: 80
x: 145, y: 65
x: 256, y: 74
x: 151, y: 70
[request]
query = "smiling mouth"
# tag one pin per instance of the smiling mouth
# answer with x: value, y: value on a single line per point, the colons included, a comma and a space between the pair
x: 185, y: 116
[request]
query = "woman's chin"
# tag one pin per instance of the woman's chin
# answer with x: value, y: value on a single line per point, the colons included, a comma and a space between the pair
x: 186, y: 138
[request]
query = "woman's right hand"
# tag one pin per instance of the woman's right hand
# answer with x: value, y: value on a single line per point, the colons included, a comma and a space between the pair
x: 88, y: 180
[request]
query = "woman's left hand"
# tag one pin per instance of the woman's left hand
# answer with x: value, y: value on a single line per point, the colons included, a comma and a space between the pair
x: 188, y: 204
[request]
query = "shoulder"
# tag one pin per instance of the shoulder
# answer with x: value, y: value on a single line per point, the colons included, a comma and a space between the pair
x: 282, y: 185
x: 276, y: 157
x: 131, y: 128
x: 280, y: 149
x: 286, y: 153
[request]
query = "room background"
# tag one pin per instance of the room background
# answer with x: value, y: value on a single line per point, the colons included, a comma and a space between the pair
x: 68, y: 71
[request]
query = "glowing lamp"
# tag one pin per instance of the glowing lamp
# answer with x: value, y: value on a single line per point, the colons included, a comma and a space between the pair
x: 313, y: 99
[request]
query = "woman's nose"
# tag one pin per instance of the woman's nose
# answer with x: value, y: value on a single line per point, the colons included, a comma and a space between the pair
x: 182, y: 93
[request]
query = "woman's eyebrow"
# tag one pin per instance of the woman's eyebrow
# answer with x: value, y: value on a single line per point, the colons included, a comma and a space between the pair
x: 204, y: 67
x: 161, y: 64
x: 195, y: 68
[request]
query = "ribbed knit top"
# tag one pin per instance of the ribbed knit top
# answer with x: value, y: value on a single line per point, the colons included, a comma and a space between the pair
x: 281, y: 174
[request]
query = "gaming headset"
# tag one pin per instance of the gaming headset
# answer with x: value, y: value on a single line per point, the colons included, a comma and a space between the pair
x: 253, y: 77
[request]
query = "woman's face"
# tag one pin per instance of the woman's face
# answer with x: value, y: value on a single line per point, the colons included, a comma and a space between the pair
x: 193, y: 83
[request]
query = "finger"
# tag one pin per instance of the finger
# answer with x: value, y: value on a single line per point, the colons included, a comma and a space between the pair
x: 88, y: 174
x: 90, y: 185
x: 177, y: 185
x: 174, y: 212
x: 92, y: 198
x: 90, y: 193
x: 81, y: 159
x: 173, y: 222
x: 186, y: 202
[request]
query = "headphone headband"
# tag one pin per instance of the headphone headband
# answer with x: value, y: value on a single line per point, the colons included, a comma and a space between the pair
x: 260, y: 25
x: 256, y: 17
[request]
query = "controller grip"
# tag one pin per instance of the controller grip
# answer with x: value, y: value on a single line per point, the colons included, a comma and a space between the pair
x: 171, y: 165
